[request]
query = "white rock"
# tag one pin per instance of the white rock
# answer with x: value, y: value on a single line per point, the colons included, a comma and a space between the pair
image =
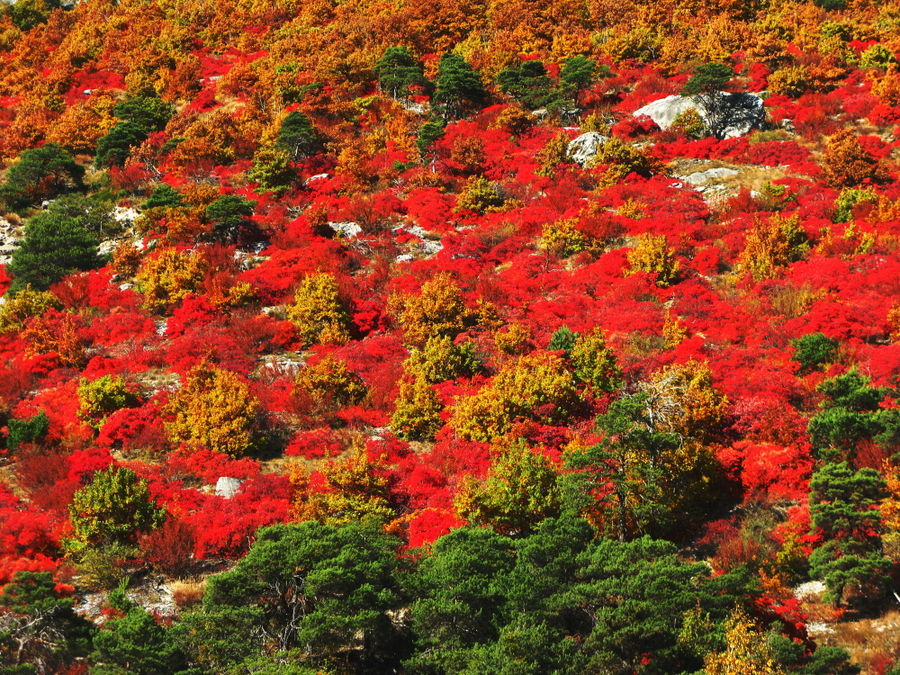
x: 346, y: 229
x: 742, y: 112
x: 318, y: 176
x: 810, y: 589
x: 107, y: 246
x: 125, y: 214
x: 227, y: 487
x: 432, y: 247
x: 415, y: 108
x: 585, y: 147
x: 710, y: 175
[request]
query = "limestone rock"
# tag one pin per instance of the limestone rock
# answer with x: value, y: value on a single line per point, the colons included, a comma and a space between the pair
x: 584, y: 148
x: 346, y: 229
x: 10, y: 236
x: 731, y: 115
x: 228, y: 487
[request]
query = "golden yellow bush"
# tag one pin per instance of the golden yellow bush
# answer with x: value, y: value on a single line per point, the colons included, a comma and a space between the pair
x: 328, y: 385
x: 534, y: 386
x: 23, y: 305
x: 318, y: 312
x: 562, y: 238
x: 417, y: 410
x: 652, y: 255
x: 685, y: 402
x: 214, y: 409
x: 594, y: 362
x: 512, y: 339
x: 772, y: 244
x: 354, y: 488
x: 438, y: 309
x: 168, y: 276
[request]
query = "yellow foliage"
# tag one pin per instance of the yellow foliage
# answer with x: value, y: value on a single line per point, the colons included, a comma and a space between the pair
x: 674, y: 331
x: 890, y: 513
x: 417, y: 410
x: 536, y: 386
x: 58, y: 338
x: 789, y: 81
x: 468, y: 151
x: 515, y: 120
x: 555, y: 152
x: 213, y: 409
x: 513, y: 339
x: 102, y: 396
x: 168, y: 276
x: 887, y: 87
x: 685, y: 402
x: 221, y: 294
x: 126, y: 258
x: 354, y: 488
x: 328, y: 385
x: 772, y: 244
x: 893, y: 319
x: 441, y: 359
x: 634, y: 208
x: 562, y: 238
x: 318, y: 312
x: 24, y: 305
x: 594, y: 362
x: 481, y: 196
x: 620, y: 159
x: 438, y: 309
x: 82, y: 124
x: 652, y: 255
x: 747, y: 651
x: 519, y: 491
x: 846, y: 163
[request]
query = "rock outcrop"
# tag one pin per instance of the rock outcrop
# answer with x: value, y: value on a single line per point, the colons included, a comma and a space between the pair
x: 725, y: 115
x: 584, y: 148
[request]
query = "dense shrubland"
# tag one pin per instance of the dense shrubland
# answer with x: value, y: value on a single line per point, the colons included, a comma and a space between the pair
x: 485, y: 407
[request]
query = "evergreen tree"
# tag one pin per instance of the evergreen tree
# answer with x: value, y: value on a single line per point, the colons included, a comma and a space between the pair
x: 115, y: 147
x: 814, y: 350
x: 319, y: 588
x: 460, y: 590
x: 456, y: 85
x: 576, y: 74
x: 843, y: 507
x: 298, y: 136
x: 229, y: 214
x: 113, y: 508
x: 397, y: 70
x: 134, y: 644
x: 529, y: 84
x: 164, y: 197
x: 624, y: 474
x: 705, y: 85
x: 563, y: 339
x: 94, y: 213
x: 54, y: 245
x: 429, y: 134
x: 850, y: 413
x: 39, y: 630
x: 149, y: 113
x: 27, y: 431
x: 41, y: 173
